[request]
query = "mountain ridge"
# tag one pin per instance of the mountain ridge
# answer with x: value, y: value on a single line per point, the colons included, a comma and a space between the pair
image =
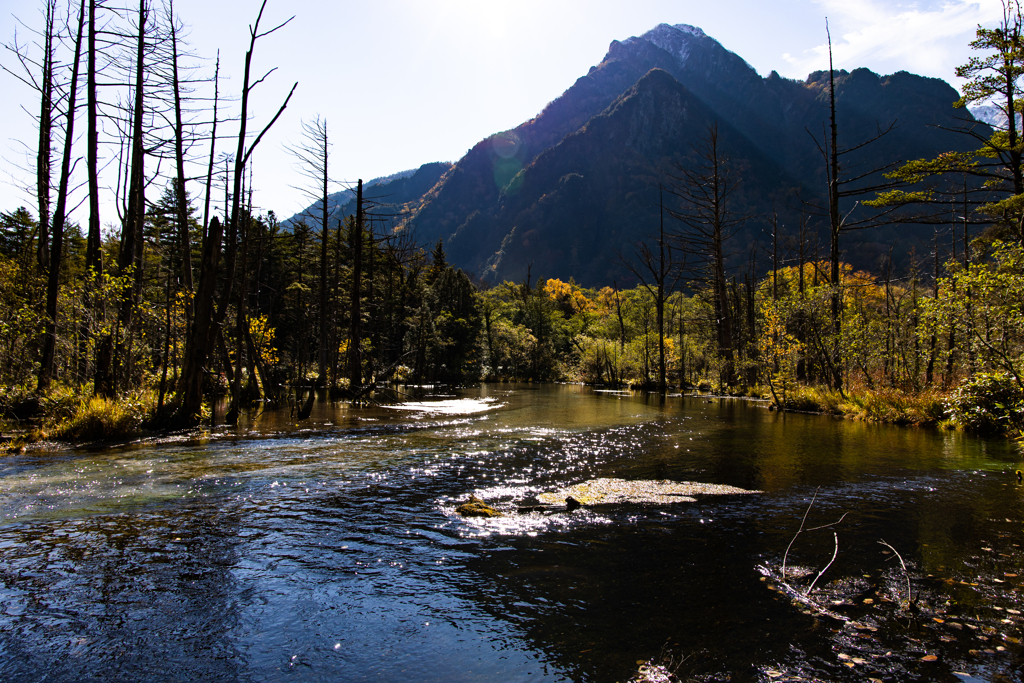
x: 472, y: 206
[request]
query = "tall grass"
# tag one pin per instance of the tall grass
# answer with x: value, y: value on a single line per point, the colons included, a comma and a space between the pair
x: 98, y: 418
x: 883, y: 405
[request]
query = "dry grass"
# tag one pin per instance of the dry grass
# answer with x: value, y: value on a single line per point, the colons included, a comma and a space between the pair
x: 883, y: 405
x: 97, y: 418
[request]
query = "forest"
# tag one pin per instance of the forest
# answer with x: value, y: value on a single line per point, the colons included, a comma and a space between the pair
x: 200, y: 297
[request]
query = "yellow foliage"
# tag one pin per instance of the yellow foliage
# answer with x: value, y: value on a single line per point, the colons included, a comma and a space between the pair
x: 568, y: 294
x: 263, y: 339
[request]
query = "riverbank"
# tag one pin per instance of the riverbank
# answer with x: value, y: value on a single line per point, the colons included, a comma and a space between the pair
x: 66, y: 416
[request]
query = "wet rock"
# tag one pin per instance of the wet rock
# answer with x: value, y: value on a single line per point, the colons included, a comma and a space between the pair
x: 476, y: 507
x: 619, y: 491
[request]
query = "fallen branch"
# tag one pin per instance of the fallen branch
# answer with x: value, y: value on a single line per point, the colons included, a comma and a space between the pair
x: 799, y: 597
x: 825, y: 568
x: 903, y: 564
x: 799, y: 531
x: 785, y: 556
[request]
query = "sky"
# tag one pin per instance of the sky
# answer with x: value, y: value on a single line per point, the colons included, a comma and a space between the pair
x: 406, y: 82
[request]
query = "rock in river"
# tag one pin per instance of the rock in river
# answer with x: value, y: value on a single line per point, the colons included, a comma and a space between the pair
x: 477, y: 508
x: 611, y: 491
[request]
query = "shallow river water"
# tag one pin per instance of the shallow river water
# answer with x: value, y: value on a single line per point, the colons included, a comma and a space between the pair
x: 329, y: 550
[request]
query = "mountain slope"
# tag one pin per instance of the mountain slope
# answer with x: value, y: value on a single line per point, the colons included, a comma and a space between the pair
x: 507, y: 186
x: 591, y: 196
x: 399, y: 193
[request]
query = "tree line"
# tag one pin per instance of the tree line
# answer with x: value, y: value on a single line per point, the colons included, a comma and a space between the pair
x: 189, y: 305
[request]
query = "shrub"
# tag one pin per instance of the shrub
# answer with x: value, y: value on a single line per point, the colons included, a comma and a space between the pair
x: 99, y: 418
x: 987, y: 403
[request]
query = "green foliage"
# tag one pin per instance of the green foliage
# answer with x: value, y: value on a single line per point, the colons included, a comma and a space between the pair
x: 98, y: 418
x: 998, y: 165
x: 985, y: 301
x: 987, y: 76
x: 988, y: 403
x: 454, y: 349
x: 21, y: 321
x: 17, y: 233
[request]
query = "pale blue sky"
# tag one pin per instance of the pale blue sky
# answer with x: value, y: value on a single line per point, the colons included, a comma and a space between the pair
x: 405, y: 82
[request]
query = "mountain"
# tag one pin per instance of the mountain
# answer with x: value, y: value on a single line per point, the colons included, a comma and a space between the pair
x: 399, y: 193
x: 567, y: 189
x: 994, y: 116
x: 581, y: 202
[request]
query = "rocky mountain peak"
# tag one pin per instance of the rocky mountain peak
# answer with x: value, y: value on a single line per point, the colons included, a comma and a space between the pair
x: 678, y: 40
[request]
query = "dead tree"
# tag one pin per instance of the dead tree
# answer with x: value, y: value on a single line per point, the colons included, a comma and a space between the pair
x: 312, y: 155
x: 209, y: 318
x: 46, y: 369
x: 184, y: 242
x: 355, y: 363
x: 659, y: 272
x: 706, y: 193
x: 38, y: 74
x: 841, y: 186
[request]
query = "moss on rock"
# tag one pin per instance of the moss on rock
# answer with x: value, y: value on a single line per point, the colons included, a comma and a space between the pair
x: 475, y: 507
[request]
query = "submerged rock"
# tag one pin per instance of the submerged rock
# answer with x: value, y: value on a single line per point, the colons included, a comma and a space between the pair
x: 476, y: 507
x: 612, y: 491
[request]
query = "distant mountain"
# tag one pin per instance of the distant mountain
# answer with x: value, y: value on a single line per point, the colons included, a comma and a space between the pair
x: 567, y: 189
x: 994, y: 116
x: 399, y: 193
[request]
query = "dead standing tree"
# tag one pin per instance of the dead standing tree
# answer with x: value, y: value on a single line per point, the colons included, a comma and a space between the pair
x: 659, y: 272
x: 312, y: 155
x: 355, y: 360
x: 846, y: 181
x: 46, y: 369
x: 208, y: 317
x: 706, y: 192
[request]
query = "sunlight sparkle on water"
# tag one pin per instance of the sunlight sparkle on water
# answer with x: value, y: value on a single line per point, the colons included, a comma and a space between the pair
x: 460, y: 406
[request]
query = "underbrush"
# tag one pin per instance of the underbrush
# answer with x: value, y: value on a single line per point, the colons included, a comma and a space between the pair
x: 895, y: 407
x: 97, y: 418
x: 988, y: 403
x: 883, y: 405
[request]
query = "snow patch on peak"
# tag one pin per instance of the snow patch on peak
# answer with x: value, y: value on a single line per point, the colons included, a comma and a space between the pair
x: 993, y: 116
x: 676, y: 40
x: 692, y: 30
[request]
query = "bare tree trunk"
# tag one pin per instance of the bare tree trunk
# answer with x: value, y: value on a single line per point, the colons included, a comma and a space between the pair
x: 94, y: 248
x: 93, y: 251
x: 833, y: 214
x: 213, y: 147
x: 44, y: 157
x: 130, y: 256
x: 208, y: 317
x: 180, y: 195
x: 324, y: 232
x: 355, y: 313
x: 46, y: 369
x: 167, y: 341
x: 189, y: 395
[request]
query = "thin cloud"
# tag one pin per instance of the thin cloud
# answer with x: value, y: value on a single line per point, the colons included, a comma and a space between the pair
x: 928, y: 40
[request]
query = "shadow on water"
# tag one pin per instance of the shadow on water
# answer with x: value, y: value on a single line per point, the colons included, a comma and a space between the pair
x: 328, y: 549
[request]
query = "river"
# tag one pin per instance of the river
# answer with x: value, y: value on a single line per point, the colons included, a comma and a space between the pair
x: 329, y: 549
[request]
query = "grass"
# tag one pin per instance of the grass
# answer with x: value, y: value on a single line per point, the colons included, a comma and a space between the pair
x: 882, y: 405
x: 97, y: 418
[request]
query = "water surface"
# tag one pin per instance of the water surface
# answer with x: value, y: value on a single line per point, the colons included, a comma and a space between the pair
x: 329, y: 549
